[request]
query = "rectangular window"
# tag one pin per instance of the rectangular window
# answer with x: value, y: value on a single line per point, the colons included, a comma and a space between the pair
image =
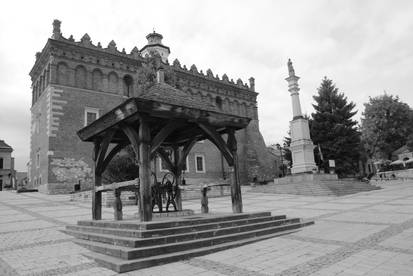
x: 91, y: 114
x: 1, y: 163
x: 199, y: 163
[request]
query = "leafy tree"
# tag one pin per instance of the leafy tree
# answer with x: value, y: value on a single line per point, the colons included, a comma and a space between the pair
x: 122, y: 167
x: 385, y: 126
x: 334, y: 129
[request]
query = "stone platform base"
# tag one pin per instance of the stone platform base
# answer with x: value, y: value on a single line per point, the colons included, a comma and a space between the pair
x: 315, y: 185
x: 305, y: 177
x: 130, y: 245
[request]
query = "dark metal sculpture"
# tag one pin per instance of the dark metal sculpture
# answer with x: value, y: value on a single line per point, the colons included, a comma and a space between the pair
x: 165, y: 191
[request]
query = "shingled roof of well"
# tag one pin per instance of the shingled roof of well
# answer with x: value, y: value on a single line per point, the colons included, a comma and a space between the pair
x: 3, y: 145
x: 164, y: 93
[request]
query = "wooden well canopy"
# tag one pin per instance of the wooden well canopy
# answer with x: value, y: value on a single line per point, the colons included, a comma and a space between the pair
x: 163, y: 117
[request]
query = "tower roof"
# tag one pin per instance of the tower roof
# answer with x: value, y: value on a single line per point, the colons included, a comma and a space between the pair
x: 155, y: 39
x: 154, y: 35
x: 3, y: 145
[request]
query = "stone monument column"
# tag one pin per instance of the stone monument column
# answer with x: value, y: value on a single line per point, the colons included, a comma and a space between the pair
x: 301, y: 145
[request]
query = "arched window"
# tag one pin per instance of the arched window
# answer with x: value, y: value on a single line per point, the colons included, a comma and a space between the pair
x: 113, y: 82
x: 97, y: 80
x: 244, y: 110
x: 62, y: 74
x: 226, y: 105
x: 218, y: 102
x: 127, y: 86
x: 80, y: 77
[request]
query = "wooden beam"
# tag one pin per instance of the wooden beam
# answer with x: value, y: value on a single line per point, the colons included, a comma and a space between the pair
x: 103, y: 149
x: 125, y: 185
x: 236, y: 197
x: 133, y: 137
x: 111, y: 154
x: 163, y: 134
x: 184, y: 153
x: 215, y: 138
x: 165, y: 157
x: 145, y: 171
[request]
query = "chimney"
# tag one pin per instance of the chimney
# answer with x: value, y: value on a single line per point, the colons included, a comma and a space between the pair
x: 160, y: 76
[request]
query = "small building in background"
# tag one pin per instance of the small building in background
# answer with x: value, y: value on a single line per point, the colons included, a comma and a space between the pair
x: 403, y: 153
x: 7, y: 172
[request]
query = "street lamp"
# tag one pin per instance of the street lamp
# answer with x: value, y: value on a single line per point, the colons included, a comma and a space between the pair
x: 282, y: 162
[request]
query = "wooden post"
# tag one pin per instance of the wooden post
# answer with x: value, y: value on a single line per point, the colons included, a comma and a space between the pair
x: 204, y: 200
x: 96, y: 196
x: 145, y: 171
x: 97, y: 199
x: 236, y: 197
x: 178, y: 178
x: 117, y: 205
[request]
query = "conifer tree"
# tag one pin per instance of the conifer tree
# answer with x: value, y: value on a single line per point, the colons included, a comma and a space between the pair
x: 333, y: 128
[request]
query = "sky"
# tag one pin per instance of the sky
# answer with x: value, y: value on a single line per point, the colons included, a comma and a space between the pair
x: 365, y: 47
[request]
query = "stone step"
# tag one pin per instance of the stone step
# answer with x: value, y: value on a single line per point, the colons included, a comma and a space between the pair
x: 189, y: 234
x: 121, y: 266
x: 185, y: 221
x: 169, y: 231
x: 127, y: 253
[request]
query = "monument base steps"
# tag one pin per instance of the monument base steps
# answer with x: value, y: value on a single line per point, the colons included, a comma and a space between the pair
x: 129, y: 245
x: 317, y: 187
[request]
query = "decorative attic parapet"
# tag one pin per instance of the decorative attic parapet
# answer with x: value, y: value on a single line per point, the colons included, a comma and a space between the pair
x: 86, y: 41
x: 112, y: 46
x: 210, y: 76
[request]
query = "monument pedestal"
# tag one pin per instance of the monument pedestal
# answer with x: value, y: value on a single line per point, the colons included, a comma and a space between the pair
x: 307, y: 184
x: 305, y: 178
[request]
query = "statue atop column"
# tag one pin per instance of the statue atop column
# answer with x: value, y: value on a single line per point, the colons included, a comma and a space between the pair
x: 301, y: 145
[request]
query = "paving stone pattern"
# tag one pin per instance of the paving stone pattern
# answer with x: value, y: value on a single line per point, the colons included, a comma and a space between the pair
x: 369, y: 233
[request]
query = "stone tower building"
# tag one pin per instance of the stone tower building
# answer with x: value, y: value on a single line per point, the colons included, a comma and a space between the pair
x: 75, y: 82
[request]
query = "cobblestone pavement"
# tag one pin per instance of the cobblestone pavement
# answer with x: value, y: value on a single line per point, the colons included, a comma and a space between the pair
x: 369, y: 233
